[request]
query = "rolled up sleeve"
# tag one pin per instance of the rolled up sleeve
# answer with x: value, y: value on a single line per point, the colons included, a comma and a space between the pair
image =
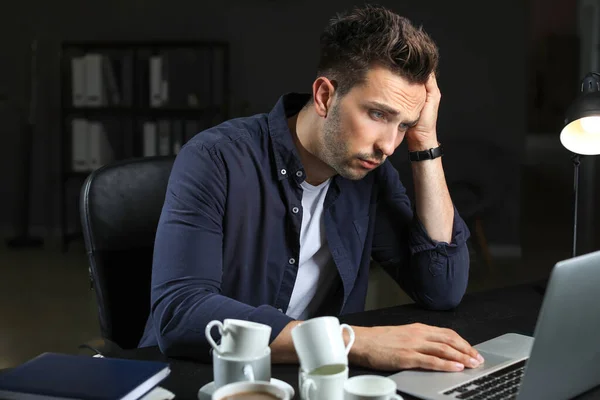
x: 434, y: 274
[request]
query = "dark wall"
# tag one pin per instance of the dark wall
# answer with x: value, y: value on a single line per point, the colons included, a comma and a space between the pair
x: 274, y: 47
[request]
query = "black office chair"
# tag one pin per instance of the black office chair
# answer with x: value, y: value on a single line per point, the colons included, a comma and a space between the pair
x: 120, y: 205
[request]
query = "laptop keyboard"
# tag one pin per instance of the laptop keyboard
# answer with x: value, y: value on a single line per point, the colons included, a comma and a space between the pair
x: 502, y: 384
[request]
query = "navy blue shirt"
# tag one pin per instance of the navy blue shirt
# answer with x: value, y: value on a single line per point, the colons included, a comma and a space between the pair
x: 227, y: 242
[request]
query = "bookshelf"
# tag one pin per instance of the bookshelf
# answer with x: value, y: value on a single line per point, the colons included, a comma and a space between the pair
x: 127, y: 99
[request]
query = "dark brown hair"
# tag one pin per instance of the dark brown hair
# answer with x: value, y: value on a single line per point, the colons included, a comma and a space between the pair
x: 354, y: 41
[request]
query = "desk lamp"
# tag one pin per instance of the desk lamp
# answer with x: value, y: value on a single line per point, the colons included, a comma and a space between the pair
x: 581, y: 134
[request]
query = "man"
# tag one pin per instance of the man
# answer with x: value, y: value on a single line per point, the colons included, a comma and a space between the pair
x: 275, y: 218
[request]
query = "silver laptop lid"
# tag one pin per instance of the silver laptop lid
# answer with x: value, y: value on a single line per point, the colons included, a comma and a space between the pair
x: 565, y: 358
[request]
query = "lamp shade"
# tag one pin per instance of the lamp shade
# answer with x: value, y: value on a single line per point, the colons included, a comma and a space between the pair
x: 581, y: 133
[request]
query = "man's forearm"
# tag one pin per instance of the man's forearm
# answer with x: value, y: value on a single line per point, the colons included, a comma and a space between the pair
x: 283, y: 350
x: 433, y: 203
x: 394, y: 347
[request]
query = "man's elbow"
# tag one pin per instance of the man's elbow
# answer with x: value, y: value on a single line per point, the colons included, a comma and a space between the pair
x: 178, y: 331
x: 448, y: 292
x: 444, y: 302
x: 178, y: 343
x: 167, y: 345
x: 173, y: 337
x: 168, y: 340
x: 442, y: 297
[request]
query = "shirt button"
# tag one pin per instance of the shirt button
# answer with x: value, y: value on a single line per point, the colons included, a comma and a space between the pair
x: 283, y: 172
x: 292, y: 261
x: 295, y: 210
x: 299, y: 174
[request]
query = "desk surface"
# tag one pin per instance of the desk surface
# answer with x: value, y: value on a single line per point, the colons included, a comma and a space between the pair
x: 480, y: 316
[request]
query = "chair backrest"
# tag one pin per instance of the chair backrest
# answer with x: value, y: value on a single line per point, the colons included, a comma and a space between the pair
x: 120, y: 205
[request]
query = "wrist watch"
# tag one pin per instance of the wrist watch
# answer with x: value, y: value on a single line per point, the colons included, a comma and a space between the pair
x: 429, y: 154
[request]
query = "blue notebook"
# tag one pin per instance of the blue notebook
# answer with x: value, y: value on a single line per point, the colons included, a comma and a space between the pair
x: 61, y: 376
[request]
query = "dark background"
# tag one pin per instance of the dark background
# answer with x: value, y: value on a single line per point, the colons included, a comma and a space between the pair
x: 508, y: 71
x: 274, y: 49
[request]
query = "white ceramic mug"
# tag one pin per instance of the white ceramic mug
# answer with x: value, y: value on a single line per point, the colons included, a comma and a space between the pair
x: 370, y: 387
x: 325, y: 383
x: 239, y: 338
x: 320, y: 341
x: 228, y: 369
x: 256, y: 388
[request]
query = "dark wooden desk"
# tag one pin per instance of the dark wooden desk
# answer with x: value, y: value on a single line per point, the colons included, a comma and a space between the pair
x: 480, y: 316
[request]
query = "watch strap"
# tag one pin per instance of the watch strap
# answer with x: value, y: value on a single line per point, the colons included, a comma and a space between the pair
x: 428, y: 154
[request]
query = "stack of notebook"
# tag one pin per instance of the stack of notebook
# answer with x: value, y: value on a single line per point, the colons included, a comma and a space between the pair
x: 62, y: 376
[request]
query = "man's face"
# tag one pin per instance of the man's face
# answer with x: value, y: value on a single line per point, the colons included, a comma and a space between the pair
x: 366, y: 125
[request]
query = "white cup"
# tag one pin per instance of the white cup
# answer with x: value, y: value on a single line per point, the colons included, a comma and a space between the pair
x: 325, y: 383
x: 320, y: 341
x: 239, y: 338
x: 255, y: 388
x: 370, y: 387
x: 229, y: 369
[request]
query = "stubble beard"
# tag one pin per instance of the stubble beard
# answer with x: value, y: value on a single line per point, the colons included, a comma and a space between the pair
x: 334, y: 149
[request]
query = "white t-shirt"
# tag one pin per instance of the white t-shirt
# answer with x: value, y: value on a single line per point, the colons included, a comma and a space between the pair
x: 316, y: 270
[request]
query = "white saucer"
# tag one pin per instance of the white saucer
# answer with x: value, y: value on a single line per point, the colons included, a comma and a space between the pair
x: 206, y: 391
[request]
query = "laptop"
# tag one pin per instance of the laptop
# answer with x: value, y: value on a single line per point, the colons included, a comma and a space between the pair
x: 562, y: 362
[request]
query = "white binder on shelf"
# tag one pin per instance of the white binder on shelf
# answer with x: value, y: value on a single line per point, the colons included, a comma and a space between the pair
x: 176, y: 145
x: 164, y: 138
x: 78, y: 81
x: 150, y: 139
x: 100, y: 151
x: 79, y: 145
x: 164, y: 81
x: 176, y: 135
x: 94, y: 87
x: 156, y: 79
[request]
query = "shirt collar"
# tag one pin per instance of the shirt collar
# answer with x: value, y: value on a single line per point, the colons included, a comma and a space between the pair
x: 287, y: 159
